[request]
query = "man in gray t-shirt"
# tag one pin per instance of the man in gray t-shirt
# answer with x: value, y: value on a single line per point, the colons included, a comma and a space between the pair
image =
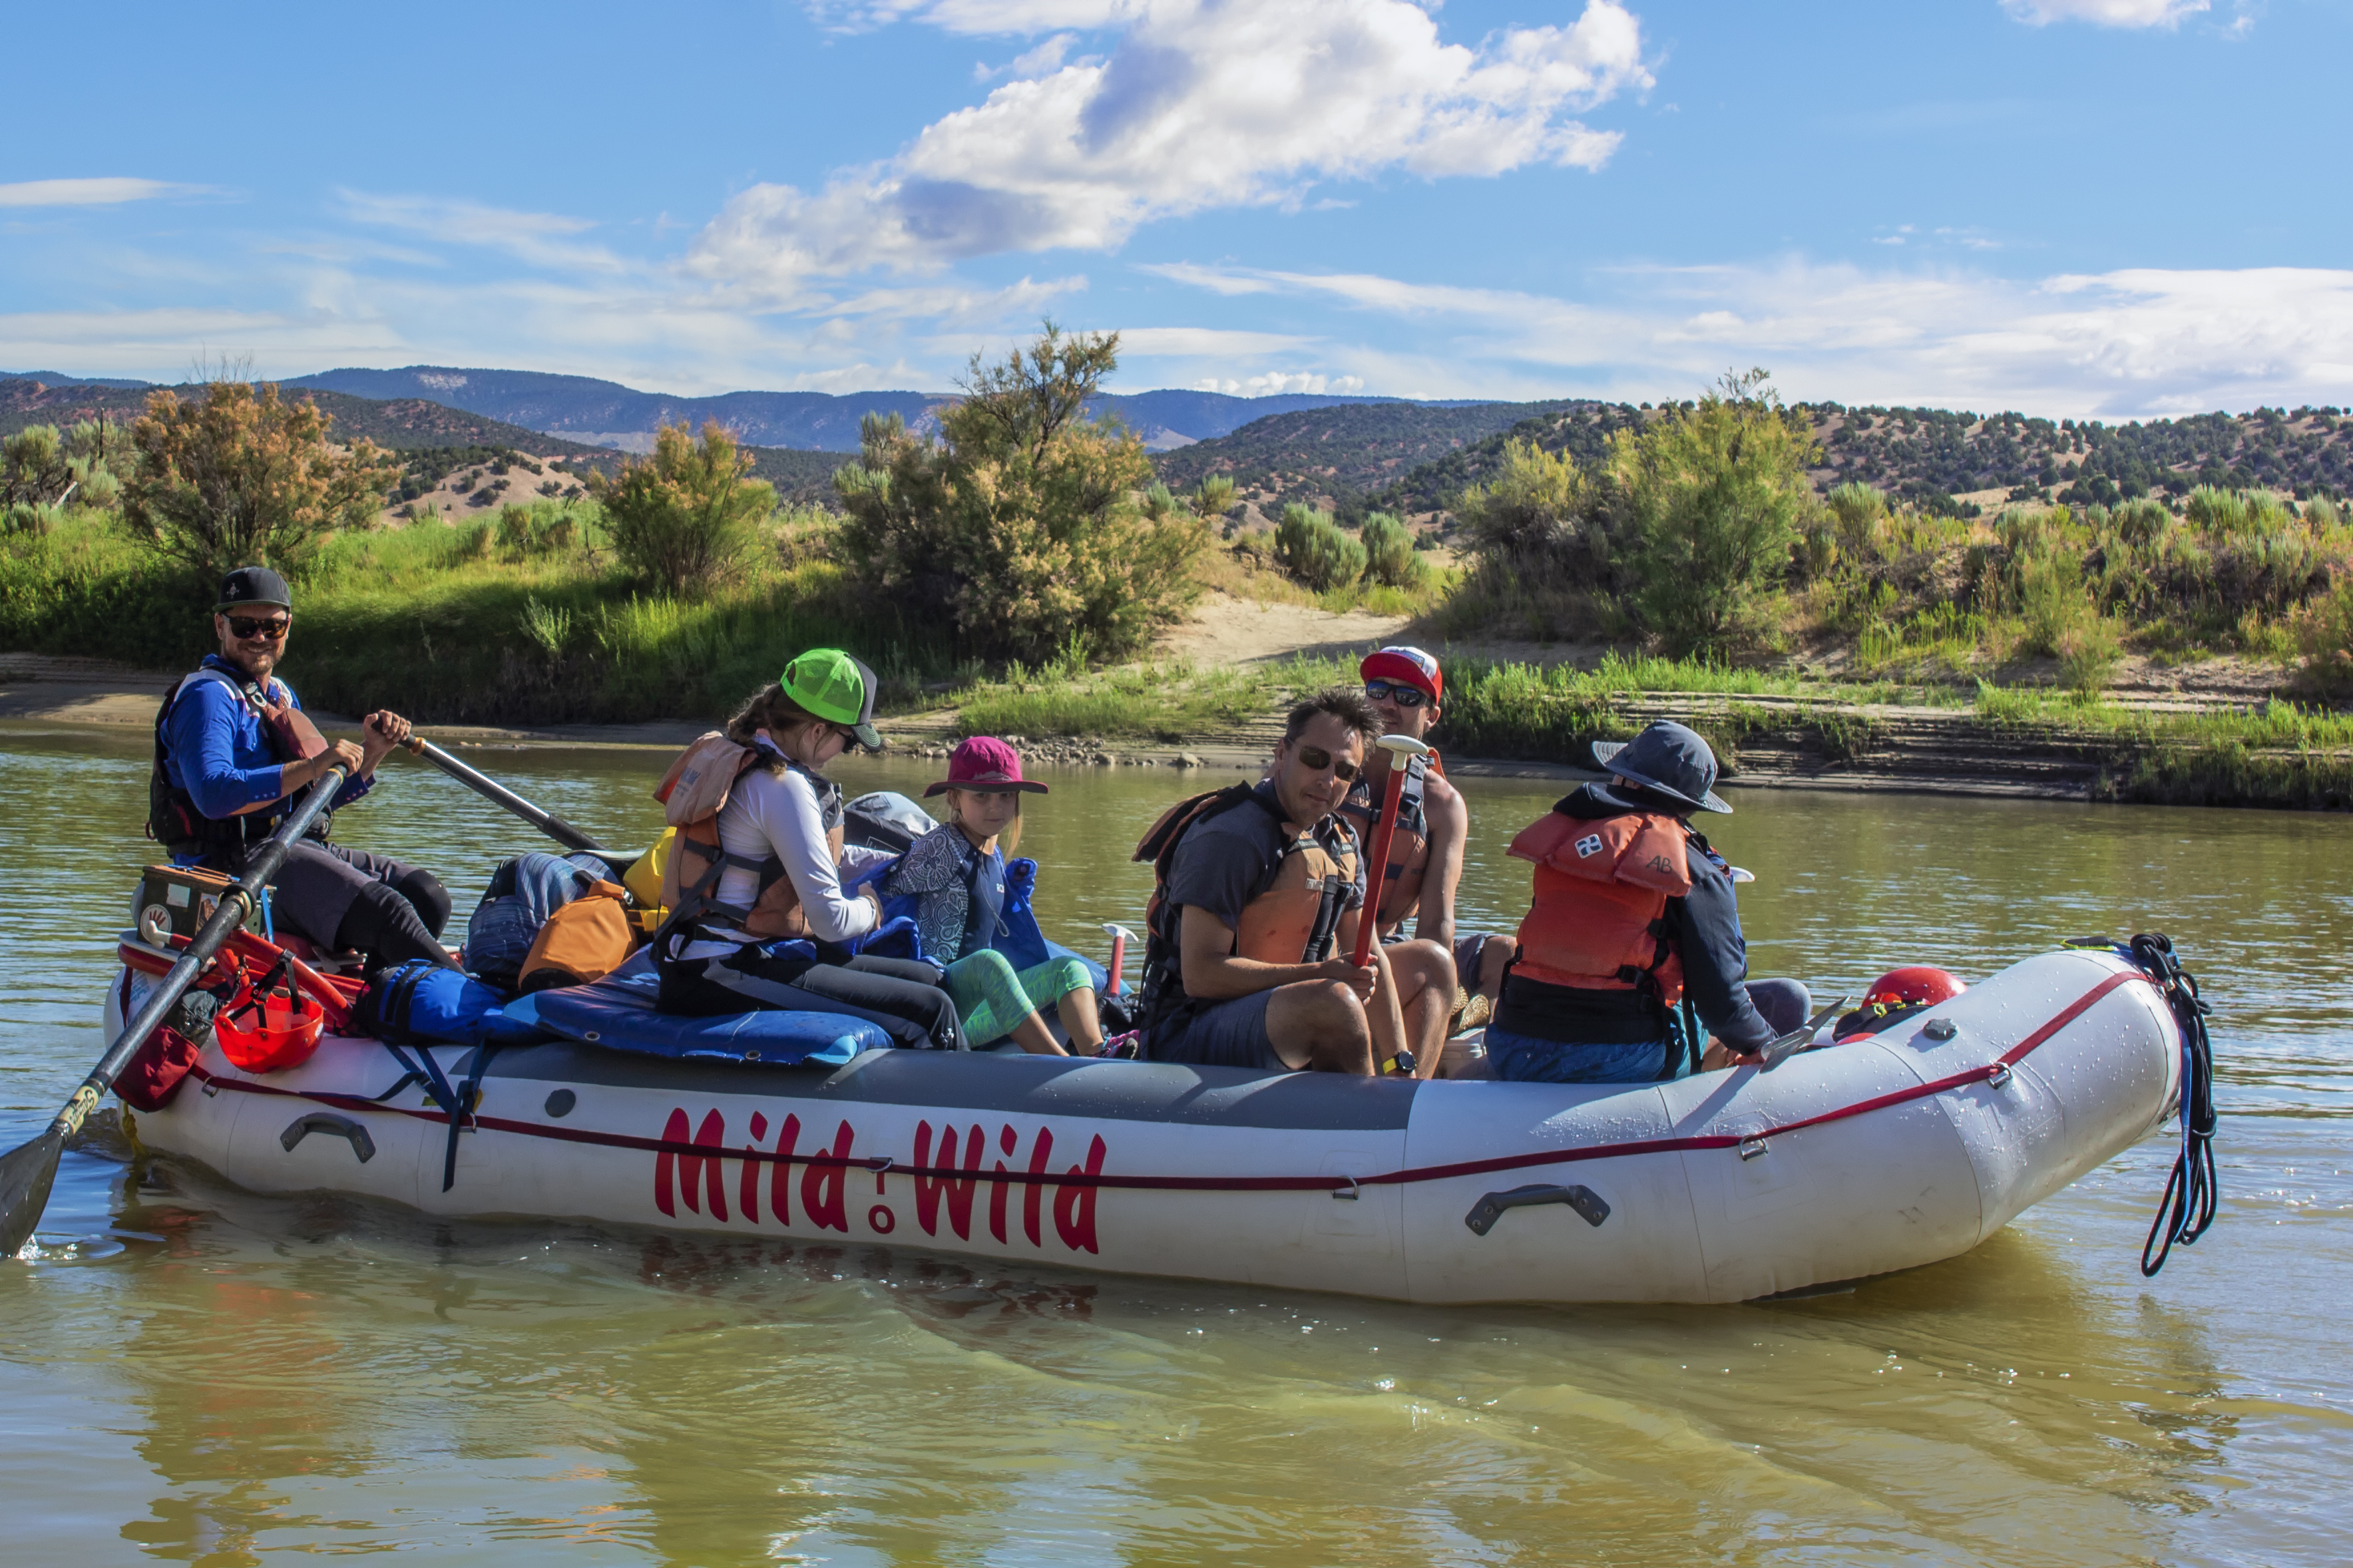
x: 1260, y: 974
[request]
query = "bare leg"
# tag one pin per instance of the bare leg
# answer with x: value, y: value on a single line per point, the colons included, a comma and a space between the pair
x: 1032, y: 1036
x: 1319, y: 1024
x: 1425, y: 989
x: 1081, y: 1021
x: 1494, y: 959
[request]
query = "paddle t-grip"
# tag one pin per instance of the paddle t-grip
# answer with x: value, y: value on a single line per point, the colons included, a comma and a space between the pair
x: 1401, y: 749
x: 1120, y: 936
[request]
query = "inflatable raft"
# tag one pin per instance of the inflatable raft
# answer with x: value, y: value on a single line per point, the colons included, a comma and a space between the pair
x: 1872, y: 1155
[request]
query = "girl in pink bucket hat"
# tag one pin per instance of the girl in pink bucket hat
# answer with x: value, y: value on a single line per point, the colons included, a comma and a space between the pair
x: 962, y: 890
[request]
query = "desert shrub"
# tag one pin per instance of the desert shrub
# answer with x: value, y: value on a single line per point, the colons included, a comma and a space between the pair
x: 1857, y: 514
x: 1018, y: 531
x: 243, y: 476
x: 2216, y: 511
x: 2323, y: 629
x: 685, y: 519
x: 1389, y: 553
x: 1546, y: 546
x: 1716, y: 494
x: 1316, y: 551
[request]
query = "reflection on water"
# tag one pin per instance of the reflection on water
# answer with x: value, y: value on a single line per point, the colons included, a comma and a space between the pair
x: 193, y: 1373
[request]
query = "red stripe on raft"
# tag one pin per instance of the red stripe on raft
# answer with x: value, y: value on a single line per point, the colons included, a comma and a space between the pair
x: 2016, y: 1054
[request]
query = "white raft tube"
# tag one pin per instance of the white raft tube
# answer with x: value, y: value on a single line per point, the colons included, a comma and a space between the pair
x: 1879, y: 1154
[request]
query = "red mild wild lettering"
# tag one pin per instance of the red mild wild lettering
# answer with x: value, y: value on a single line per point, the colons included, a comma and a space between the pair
x: 997, y: 1193
x: 678, y: 1131
x: 696, y: 1175
x: 1034, y: 1194
x: 929, y: 1190
x: 711, y: 1135
x: 821, y: 1184
x: 780, y: 1180
x: 1074, y: 1207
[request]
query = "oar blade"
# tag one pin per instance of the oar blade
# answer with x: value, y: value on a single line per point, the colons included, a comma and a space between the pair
x: 25, y: 1174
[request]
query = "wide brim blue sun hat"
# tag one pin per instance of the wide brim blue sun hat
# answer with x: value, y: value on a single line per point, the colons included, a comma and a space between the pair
x: 1669, y: 760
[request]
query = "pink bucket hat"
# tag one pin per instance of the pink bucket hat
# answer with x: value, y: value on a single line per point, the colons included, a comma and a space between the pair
x: 984, y: 762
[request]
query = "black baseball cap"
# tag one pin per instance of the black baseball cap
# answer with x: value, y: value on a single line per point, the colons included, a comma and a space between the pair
x: 253, y: 585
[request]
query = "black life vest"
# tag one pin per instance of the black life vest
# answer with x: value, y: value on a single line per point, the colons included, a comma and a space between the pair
x: 173, y: 819
x: 1318, y: 867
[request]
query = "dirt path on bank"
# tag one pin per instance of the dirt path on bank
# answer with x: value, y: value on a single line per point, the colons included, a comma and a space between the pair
x: 1223, y: 629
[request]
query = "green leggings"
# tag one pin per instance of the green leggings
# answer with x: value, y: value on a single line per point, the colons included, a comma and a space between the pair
x: 991, y: 998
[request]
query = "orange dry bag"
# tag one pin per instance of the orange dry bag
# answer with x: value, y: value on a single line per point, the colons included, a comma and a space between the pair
x: 584, y: 940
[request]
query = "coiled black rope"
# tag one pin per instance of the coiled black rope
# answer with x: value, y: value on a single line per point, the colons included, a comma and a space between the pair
x: 2188, y: 1206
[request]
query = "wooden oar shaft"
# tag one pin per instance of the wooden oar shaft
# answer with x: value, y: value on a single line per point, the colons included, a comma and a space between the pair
x: 546, y: 821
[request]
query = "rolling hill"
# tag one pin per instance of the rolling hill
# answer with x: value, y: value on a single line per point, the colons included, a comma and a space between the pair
x: 606, y: 413
x: 1340, y: 457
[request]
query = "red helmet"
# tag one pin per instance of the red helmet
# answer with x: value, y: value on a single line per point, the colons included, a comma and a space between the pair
x: 270, y: 1029
x: 1917, y: 983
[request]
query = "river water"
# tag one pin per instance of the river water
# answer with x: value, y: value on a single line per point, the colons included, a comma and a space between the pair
x: 193, y: 1375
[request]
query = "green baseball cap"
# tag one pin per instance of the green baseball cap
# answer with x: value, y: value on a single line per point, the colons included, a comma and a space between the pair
x: 835, y: 687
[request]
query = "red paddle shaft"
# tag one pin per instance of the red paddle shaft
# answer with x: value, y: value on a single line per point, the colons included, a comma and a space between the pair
x: 1377, y: 863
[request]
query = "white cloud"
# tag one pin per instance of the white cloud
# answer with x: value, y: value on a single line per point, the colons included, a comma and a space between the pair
x: 1043, y: 60
x: 2126, y: 344
x: 1205, y: 341
x: 1199, y: 104
x: 2107, y: 12
x: 110, y: 191
x: 1273, y: 381
x: 539, y: 238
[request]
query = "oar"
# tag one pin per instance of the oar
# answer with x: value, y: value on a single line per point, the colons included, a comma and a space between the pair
x: 1400, y: 748
x: 547, y: 822
x: 27, y: 1171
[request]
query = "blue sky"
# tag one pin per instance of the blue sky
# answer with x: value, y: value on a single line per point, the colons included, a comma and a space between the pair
x: 2108, y: 207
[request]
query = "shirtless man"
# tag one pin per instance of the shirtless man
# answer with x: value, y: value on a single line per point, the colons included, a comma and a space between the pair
x: 1402, y: 686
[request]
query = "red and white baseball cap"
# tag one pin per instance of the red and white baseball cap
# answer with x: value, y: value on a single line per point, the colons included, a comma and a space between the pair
x: 1407, y: 666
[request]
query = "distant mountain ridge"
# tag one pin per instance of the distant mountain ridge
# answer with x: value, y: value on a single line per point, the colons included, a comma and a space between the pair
x: 583, y: 408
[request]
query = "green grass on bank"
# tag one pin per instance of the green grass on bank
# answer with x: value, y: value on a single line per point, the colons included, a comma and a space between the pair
x: 519, y: 619
x: 2281, y: 755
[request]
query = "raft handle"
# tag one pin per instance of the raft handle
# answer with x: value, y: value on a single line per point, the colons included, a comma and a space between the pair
x: 1751, y: 1147
x: 1999, y: 1077
x: 1489, y: 1209
x: 329, y: 1122
x: 1349, y: 1191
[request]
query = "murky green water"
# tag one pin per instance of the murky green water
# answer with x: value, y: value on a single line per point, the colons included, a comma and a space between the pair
x: 194, y: 1375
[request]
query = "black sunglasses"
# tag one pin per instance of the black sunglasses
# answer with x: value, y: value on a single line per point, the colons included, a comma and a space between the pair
x: 272, y: 629
x: 1317, y: 759
x: 1390, y: 692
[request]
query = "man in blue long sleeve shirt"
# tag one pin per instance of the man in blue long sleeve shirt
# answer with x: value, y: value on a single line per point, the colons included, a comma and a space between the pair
x: 227, y: 769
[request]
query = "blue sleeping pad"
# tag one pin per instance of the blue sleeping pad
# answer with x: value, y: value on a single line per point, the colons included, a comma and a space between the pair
x: 617, y: 1013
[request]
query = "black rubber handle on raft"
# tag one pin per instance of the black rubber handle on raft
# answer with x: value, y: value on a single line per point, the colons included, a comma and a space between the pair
x: 1489, y: 1209
x: 327, y: 1122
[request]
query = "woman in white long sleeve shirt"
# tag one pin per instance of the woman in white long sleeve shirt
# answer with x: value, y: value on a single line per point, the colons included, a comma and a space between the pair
x: 781, y: 825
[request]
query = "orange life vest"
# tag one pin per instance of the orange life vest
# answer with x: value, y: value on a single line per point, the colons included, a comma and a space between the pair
x: 1291, y: 921
x: 1408, y: 847
x: 1601, y: 891
x: 697, y: 785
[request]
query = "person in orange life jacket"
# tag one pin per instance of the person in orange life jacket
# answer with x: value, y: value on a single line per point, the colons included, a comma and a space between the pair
x: 234, y: 751
x: 1631, y: 910
x: 773, y: 929
x: 1403, y: 686
x: 957, y: 880
x: 1260, y: 974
